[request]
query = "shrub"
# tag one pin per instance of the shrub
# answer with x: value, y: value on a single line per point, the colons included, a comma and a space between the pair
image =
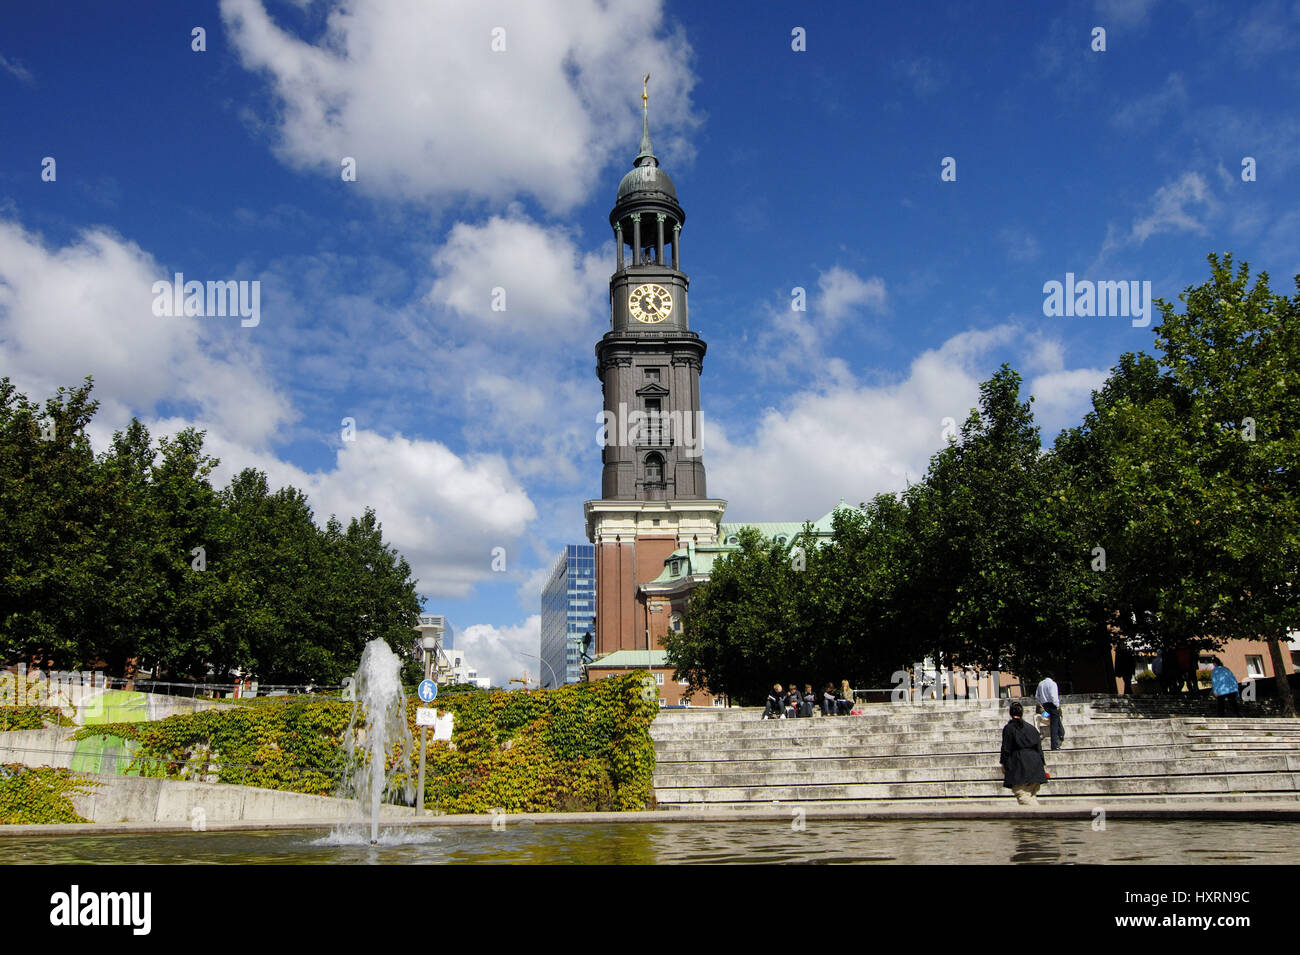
x: 39, y: 796
x: 31, y: 717
x: 580, y: 747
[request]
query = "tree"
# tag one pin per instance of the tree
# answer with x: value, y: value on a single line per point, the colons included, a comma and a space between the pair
x: 1141, y: 495
x: 742, y: 631
x: 133, y: 556
x: 52, y: 517
x: 1235, y: 352
x: 1003, y: 574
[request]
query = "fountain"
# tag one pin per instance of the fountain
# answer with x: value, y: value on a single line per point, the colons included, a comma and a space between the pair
x: 381, y: 704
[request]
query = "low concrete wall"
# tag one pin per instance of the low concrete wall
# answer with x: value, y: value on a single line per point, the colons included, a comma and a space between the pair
x: 84, y: 701
x: 134, y: 799
x: 47, y: 747
x: 137, y: 799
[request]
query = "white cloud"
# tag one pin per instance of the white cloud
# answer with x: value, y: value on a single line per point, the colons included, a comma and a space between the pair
x: 1061, y: 397
x: 444, y: 513
x: 1170, y: 212
x: 86, y: 309
x: 500, y: 653
x: 1269, y: 29
x: 550, y: 288
x: 1173, y: 209
x: 1021, y: 246
x: 794, y: 341
x: 925, y: 74
x: 530, y: 591
x: 843, y: 291
x: 852, y: 441
x: 18, y: 71
x: 1126, y: 13
x: 1147, y: 111
x: 415, y: 92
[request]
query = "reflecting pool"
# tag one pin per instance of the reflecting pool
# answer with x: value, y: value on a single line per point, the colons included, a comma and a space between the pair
x: 912, y: 842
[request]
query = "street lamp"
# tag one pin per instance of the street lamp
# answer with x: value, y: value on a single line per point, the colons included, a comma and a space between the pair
x: 430, y: 627
x: 544, y: 663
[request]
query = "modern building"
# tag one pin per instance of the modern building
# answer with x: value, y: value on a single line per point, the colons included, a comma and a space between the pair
x: 460, y: 671
x: 568, y: 614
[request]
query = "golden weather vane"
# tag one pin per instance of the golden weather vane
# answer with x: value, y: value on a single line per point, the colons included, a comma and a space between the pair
x: 645, y: 96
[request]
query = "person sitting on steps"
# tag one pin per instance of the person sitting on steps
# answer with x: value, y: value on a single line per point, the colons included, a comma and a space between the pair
x: 844, y: 705
x: 775, y: 708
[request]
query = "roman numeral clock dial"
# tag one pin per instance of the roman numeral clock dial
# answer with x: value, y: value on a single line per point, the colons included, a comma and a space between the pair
x: 650, y: 304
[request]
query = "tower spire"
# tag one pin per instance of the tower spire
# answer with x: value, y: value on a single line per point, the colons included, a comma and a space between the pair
x: 646, y: 155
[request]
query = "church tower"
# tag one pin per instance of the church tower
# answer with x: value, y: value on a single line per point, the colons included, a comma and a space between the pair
x: 653, y: 496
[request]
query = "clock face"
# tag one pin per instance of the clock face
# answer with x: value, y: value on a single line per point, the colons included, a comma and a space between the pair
x: 650, y: 304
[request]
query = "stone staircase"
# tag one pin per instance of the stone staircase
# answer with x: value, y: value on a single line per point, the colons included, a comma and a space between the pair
x: 1152, y: 750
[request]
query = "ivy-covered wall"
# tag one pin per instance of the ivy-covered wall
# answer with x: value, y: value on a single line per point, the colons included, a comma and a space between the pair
x: 31, y: 718
x: 39, y: 796
x: 580, y: 747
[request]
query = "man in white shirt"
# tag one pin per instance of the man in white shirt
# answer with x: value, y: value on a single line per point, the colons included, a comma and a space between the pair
x: 1049, y: 698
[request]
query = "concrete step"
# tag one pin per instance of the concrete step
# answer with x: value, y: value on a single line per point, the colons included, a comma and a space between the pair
x: 821, y: 776
x: 1090, y: 803
x: 783, y: 731
x: 744, y: 763
x: 1147, y: 750
x: 1230, y: 749
x: 693, y: 753
x: 1211, y: 784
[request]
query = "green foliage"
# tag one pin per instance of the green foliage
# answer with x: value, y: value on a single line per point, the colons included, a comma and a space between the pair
x: 585, y: 746
x: 31, y: 718
x: 1189, y: 464
x: 760, y: 619
x: 30, y: 796
x: 289, y: 743
x: 1170, y: 517
x: 980, y: 565
x: 99, y: 558
x: 1007, y: 578
x: 581, y: 746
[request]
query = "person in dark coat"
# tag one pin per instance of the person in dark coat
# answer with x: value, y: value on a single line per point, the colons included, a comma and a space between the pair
x: 1022, y: 758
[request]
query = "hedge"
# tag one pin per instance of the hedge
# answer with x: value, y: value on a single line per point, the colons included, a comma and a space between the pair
x: 31, y: 717
x: 580, y: 747
x: 31, y: 796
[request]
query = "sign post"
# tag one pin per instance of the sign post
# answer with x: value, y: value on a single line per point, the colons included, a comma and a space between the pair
x: 428, y: 692
x: 430, y: 627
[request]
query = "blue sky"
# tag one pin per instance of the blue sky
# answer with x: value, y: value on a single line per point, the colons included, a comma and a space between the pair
x: 480, y: 168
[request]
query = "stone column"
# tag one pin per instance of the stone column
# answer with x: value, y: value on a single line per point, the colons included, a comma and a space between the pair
x: 636, y: 238
x: 659, y: 242
x: 618, y: 242
x: 677, y: 239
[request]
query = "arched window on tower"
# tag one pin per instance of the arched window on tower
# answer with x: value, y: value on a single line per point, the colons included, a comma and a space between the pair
x: 654, y: 468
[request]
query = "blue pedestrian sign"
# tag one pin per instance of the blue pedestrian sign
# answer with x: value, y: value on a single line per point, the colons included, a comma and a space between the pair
x: 428, y: 691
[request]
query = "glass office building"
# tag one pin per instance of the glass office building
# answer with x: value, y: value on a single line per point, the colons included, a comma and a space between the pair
x: 568, y: 613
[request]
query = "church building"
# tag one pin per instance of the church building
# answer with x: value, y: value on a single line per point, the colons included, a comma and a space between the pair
x: 655, y: 530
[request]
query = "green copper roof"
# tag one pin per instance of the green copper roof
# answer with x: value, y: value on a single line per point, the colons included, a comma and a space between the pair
x: 647, y: 153
x: 699, y: 558
x: 646, y: 178
x: 823, y: 526
x: 769, y: 529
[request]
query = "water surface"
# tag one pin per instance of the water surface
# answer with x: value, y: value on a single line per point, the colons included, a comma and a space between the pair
x: 911, y: 842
